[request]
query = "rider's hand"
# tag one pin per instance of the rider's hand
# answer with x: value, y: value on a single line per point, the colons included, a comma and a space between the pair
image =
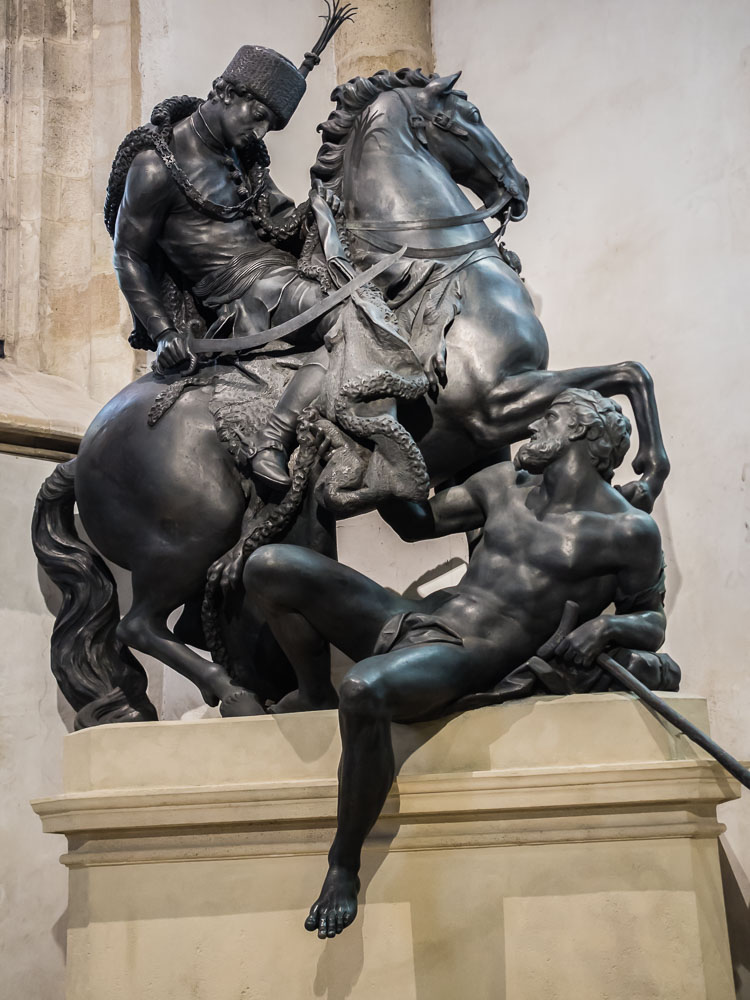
x: 328, y: 438
x: 332, y: 200
x: 581, y: 647
x: 322, y: 443
x: 173, y: 350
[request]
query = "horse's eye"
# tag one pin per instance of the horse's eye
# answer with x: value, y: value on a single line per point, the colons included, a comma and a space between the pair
x: 475, y: 116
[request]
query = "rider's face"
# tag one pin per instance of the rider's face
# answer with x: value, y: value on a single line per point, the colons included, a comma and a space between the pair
x: 245, y: 119
x: 550, y: 436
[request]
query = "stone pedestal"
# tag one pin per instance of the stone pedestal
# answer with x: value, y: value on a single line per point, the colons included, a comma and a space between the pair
x: 555, y: 848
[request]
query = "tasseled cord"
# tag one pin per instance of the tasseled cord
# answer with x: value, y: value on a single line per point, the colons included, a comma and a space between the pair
x: 337, y: 14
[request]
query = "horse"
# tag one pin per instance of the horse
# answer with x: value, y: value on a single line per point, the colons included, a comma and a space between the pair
x: 401, y: 145
x: 165, y: 501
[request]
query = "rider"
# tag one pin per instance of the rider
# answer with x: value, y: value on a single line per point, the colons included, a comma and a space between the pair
x: 197, y: 201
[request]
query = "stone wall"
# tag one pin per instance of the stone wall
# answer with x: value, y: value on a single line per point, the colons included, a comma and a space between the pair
x: 386, y: 34
x: 68, y: 102
x: 33, y: 716
x: 21, y: 125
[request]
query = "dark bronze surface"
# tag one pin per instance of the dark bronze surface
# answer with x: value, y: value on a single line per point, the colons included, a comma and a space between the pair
x: 165, y: 499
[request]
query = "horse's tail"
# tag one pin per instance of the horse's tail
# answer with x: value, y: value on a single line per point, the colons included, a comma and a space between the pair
x: 100, y: 677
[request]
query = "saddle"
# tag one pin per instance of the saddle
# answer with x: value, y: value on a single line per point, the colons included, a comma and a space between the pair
x: 244, y: 392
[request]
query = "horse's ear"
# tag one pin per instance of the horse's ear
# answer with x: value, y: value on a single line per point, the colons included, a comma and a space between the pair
x: 442, y: 85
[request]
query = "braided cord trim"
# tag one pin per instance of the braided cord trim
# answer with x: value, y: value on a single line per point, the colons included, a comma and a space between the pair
x: 276, y: 519
x: 254, y: 161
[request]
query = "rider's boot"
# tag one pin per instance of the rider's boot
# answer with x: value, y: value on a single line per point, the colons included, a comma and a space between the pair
x: 271, y: 461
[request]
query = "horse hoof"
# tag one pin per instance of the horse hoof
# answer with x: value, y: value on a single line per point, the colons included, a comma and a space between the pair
x: 210, y: 698
x: 638, y: 495
x: 240, y: 703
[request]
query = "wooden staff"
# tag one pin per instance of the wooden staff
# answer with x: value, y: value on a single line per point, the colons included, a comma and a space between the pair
x: 647, y: 696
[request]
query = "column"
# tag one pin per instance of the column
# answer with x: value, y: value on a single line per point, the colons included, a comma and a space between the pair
x: 387, y: 34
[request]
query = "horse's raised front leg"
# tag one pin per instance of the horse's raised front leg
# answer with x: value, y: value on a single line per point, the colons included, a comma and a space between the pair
x: 518, y: 400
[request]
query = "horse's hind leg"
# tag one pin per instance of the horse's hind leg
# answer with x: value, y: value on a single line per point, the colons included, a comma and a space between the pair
x: 144, y: 628
x: 512, y: 405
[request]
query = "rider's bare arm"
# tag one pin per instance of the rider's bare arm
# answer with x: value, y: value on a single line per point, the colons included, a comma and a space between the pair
x: 643, y: 624
x: 454, y: 510
x: 140, y: 219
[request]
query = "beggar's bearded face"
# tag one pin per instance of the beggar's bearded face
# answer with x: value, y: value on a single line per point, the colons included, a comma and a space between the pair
x: 549, y: 439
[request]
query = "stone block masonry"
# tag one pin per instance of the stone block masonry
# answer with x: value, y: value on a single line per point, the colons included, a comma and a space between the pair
x: 562, y: 848
x: 69, y: 100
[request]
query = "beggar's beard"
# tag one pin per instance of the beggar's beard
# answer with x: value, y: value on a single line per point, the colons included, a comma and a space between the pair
x: 535, y: 456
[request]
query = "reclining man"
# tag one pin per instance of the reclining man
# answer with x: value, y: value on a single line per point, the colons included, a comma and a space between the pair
x: 554, y: 531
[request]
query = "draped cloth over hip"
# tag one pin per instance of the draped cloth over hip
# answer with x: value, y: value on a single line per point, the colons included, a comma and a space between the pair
x: 233, y: 279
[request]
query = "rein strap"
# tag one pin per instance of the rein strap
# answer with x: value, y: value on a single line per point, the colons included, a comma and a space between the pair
x: 430, y: 253
x: 446, y: 222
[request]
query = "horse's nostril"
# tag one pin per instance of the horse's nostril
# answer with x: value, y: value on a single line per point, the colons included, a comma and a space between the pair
x: 518, y: 209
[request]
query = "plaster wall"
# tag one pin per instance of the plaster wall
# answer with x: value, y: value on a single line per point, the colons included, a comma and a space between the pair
x: 33, y: 885
x: 632, y: 122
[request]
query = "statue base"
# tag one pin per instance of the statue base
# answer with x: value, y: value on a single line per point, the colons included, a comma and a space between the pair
x: 556, y: 847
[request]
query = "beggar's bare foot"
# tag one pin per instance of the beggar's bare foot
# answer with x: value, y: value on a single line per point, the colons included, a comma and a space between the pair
x: 295, y: 701
x: 336, y: 906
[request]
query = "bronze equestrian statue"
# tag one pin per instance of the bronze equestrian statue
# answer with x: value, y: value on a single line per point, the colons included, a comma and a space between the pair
x: 426, y: 372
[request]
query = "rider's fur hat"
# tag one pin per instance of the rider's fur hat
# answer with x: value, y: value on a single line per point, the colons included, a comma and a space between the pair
x: 269, y: 77
x: 272, y: 78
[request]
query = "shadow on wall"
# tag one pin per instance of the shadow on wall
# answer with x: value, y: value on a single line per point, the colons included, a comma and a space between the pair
x: 737, y: 900
x: 424, y: 584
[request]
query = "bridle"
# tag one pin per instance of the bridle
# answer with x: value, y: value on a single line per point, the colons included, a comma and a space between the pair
x: 447, y: 123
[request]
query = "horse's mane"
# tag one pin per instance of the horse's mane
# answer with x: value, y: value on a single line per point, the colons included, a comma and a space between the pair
x: 351, y: 100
